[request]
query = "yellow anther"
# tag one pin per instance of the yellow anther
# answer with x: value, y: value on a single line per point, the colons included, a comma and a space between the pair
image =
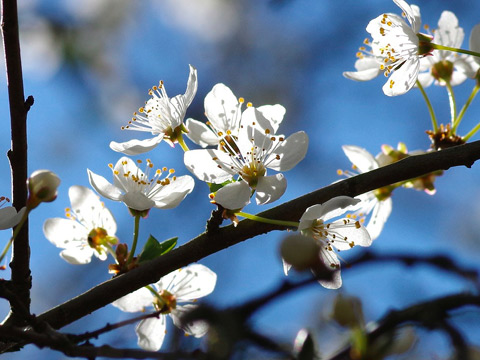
x: 357, y: 225
x: 110, y: 166
x: 139, y: 161
x: 339, y: 172
x: 241, y: 100
x: 249, y: 104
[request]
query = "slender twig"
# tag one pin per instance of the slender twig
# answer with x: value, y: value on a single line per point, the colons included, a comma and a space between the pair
x: 20, y: 265
x: 109, y: 327
x: 207, y: 244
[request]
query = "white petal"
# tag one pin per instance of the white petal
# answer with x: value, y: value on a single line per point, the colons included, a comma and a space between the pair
x: 379, y: 217
x: 234, y: 196
x: 286, y: 267
x: 151, y: 333
x: 329, y: 258
x: 171, y: 195
x: 409, y: 13
x: 64, y: 233
x: 262, y: 121
x: 191, y: 86
x: 202, y: 165
x: 124, y: 166
x: 136, y: 301
x: 274, y: 114
x: 200, y: 133
x: 291, y: 151
x: 103, y: 187
x: 403, y: 78
x: 448, y: 32
x: 359, y: 236
x: 9, y: 217
x: 222, y: 108
x: 475, y: 41
x: 368, y: 68
x: 328, y: 210
x: 77, y: 256
x: 196, y: 328
x: 137, y: 201
x: 270, y: 188
x: 360, y: 157
x: 136, y: 147
x: 189, y: 283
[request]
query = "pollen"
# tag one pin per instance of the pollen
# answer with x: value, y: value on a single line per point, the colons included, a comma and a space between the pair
x: 339, y: 172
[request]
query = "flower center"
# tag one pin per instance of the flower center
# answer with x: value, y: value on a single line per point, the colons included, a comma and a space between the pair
x: 165, y: 302
x: 98, y: 237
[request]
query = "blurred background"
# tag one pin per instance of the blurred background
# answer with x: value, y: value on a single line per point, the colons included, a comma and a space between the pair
x: 89, y: 66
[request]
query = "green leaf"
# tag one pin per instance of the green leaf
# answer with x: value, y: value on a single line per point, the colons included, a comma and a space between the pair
x: 154, y: 249
x: 215, y: 187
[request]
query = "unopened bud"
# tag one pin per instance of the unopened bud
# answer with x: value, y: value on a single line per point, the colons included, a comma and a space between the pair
x: 42, y: 187
x: 347, y: 311
x: 300, y: 251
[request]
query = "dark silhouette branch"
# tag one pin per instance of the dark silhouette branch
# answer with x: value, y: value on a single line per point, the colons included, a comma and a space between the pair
x: 20, y: 265
x: 429, y: 314
x: 207, y: 244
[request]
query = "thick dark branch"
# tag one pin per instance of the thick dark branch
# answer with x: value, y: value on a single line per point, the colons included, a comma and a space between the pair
x: 20, y: 265
x: 207, y: 244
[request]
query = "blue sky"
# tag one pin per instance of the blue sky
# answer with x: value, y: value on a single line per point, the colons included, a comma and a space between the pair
x: 293, y: 54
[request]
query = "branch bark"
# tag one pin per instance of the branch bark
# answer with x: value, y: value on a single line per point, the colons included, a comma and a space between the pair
x: 212, y: 242
x: 20, y: 265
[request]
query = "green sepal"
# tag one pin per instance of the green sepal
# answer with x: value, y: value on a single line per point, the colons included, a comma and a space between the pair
x: 154, y: 249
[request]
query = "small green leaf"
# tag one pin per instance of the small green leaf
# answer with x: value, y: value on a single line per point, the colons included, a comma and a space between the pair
x: 215, y: 187
x: 154, y: 249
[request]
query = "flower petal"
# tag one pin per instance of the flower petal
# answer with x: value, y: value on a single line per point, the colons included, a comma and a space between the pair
x: 196, y: 328
x: 64, y: 233
x: 77, y: 255
x: 331, y: 263
x: 201, y: 164
x: 328, y: 210
x: 192, y: 84
x: 189, y: 283
x: 290, y: 152
x: 222, y: 108
x: 151, y: 333
x: 270, y: 188
x: 409, y: 13
x: 135, y: 302
x: 234, y: 196
x: 171, y: 195
x: 352, y: 234
x: 274, y: 114
x: 200, y: 133
x: 103, y: 187
x: 379, y: 217
x: 474, y: 41
x: 9, y: 217
x: 137, y: 201
x: 368, y: 68
x: 360, y: 157
x: 402, y: 79
x: 136, y: 147
x: 448, y: 32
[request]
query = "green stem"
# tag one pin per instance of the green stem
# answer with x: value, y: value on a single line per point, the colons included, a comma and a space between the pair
x: 472, y: 132
x: 135, y: 239
x: 465, y: 107
x: 268, y: 221
x: 111, y: 251
x: 182, y: 143
x: 453, y: 103
x: 461, y: 51
x: 15, y: 233
x: 430, y: 107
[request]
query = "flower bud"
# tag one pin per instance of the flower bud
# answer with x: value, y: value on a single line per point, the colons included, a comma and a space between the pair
x: 42, y: 187
x: 347, y: 311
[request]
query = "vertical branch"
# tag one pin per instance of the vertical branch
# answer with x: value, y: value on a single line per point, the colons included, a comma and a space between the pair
x: 20, y: 265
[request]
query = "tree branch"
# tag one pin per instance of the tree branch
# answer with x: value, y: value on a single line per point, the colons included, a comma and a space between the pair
x: 207, y: 244
x: 20, y: 265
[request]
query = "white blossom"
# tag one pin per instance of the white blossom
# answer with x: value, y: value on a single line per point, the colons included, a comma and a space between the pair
x: 161, y: 116
x: 142, y: 191
x: 8, y: 214
x: 179, y: 287
x: 89, y: 230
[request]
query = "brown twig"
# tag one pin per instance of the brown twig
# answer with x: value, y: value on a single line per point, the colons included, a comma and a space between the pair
x: 20, y: 265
